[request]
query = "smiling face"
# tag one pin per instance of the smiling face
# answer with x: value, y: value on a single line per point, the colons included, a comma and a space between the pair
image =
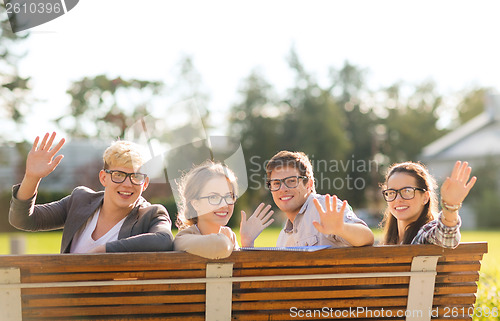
x: 212, y: 217
x: 121, y: 197
x: 290, y: 200
x: 406, y: 211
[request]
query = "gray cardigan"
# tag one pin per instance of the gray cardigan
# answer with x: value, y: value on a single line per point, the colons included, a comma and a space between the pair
x: 146, y: 228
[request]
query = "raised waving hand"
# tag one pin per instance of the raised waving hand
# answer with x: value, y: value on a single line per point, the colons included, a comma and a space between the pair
x: 331, y: 219
x: 41, y: 161
x: 456, y: 187
x: 39, y: 164
x: 251, y: 228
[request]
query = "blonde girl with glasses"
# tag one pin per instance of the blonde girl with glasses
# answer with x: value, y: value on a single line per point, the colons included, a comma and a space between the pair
x: 412, y: 216
x: 207, y: 195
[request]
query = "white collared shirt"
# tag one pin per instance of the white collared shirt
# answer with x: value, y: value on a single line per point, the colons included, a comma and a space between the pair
x: 302, y: 231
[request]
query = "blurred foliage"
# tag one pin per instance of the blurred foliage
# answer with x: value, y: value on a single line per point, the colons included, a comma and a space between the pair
x: 472, y: 104
x: 103, y: 107
x: 349, y: 132
x: 485, y: 196
x: 411, y: 122
x: 14, y: 88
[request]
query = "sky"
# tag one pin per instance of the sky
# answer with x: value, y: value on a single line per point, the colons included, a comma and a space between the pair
x: 455, y: 43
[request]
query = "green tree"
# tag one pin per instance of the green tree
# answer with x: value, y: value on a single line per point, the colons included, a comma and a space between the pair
x: 349, y: 88
x: 316, y: 125
x: 104, y: 107
x: 411, y: 122
x: 485, y: 195
x: 257, y: 121
x: 14, y: 88
x: 472, y: 104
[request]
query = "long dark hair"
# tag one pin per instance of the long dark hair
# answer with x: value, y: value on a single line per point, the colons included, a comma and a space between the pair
x: 429, y: 212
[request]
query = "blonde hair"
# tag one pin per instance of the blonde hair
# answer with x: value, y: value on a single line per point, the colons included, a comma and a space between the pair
x: 123, y: 153
x: 190, y: 188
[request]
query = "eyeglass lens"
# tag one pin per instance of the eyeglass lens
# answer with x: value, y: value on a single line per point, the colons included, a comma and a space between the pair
x: 216, y: 199
x: 406, y: 193
x: 120, y: 177
x: 290, y: 182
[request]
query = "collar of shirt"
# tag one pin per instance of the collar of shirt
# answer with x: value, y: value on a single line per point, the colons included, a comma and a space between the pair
x: 289, y: 225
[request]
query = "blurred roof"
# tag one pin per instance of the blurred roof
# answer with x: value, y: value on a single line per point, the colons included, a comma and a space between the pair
x: 477, y: 138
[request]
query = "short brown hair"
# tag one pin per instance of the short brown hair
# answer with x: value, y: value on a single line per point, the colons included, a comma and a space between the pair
x: 298, y: 160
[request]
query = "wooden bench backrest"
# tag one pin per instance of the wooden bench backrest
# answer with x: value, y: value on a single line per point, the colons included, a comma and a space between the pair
x: 382, y: 282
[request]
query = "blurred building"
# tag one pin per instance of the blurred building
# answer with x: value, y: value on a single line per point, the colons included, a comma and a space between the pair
x: 81, y: 163
x: 475, y: 142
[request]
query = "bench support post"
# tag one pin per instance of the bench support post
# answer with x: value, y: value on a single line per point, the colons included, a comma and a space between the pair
x: 10, y: 298
x: 219, y: 294
x: 421, y: 290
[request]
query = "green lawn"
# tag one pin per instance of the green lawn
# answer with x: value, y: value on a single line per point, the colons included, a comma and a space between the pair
x: 488, y: 296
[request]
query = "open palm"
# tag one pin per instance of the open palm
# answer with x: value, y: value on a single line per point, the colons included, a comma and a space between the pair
x: 456, y: 187
x: 41, y: 161
x: 331, y: 219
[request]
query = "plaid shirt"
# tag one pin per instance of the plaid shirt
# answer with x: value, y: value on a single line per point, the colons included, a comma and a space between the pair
x: 435, y: 232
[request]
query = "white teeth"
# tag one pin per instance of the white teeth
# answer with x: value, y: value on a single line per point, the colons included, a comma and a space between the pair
x: 125, y: 193
x: 401, y: 207
x: 220, y: 213
x: 286, y: 198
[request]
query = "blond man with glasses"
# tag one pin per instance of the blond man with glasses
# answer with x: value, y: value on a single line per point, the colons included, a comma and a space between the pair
x: 117, y: 219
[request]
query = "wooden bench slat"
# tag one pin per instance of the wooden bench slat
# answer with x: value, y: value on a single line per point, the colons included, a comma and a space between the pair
x: 116, y: 288
x: 465, y: 288
x: 470, y: 276
x: 166, y: 259
x: 326, y: 282
x: 459, y: 267
x: 125, y: 311
x: 318, y: 304
x: 310, y: 295
x: 110, y: 299
x: 71, y: 277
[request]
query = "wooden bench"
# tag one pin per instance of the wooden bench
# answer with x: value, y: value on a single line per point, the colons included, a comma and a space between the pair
x: 409, y: 282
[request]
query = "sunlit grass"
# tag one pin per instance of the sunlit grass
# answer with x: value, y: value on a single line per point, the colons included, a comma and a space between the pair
x: 34, y: 243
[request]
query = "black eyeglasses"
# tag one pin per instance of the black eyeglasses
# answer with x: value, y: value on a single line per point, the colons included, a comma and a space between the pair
x: 120, y: 177
x: 290, y: 182
x: 216, y: 199
x: 407, y: 193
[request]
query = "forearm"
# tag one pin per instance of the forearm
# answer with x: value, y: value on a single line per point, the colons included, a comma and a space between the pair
x: 449, y: 218
x: 212, y: 246
x: 28, y: 188
x: 435, y: 232
x: 147, y: 242
x: 357, y: 234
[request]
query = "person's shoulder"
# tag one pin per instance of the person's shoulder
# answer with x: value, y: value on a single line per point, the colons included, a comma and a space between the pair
x: 145, y: 206
x: 86, y: 192
x: 193, y: 229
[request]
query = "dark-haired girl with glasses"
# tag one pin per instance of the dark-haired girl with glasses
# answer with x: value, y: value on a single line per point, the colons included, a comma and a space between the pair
x: 412, y: 215
x: 207, y: 195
